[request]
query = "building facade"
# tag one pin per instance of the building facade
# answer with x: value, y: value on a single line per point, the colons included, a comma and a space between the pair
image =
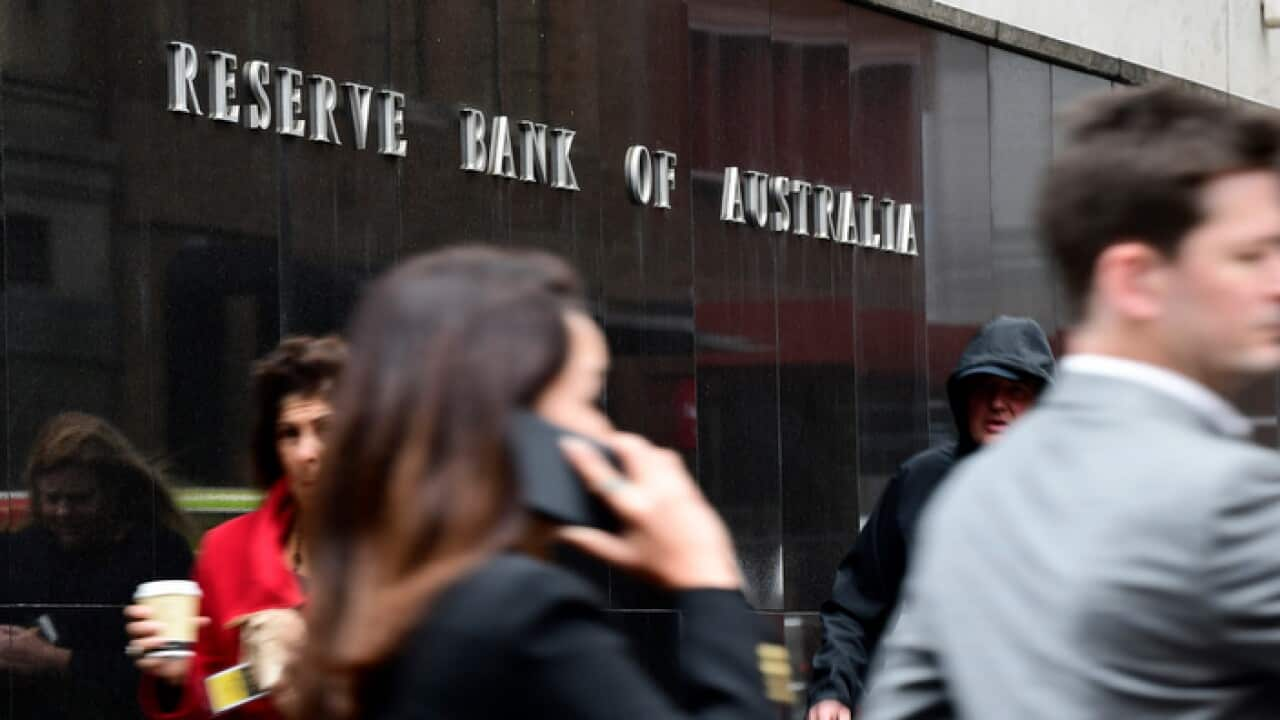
x: 1227, y: 45
x: 152, y: 251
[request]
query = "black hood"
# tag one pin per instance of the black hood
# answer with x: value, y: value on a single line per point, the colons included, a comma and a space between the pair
x: 1014, y: 345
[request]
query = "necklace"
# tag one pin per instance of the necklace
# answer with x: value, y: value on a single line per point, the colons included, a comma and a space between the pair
x: 295, y: 540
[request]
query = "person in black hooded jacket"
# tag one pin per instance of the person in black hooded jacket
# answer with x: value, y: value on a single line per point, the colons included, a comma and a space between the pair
x: 999, y: 375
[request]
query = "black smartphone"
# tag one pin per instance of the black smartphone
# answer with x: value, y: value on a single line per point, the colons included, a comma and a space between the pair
x: 550, y: 484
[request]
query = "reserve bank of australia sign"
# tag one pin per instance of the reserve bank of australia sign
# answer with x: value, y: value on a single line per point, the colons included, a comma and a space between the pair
x: 262, y: 97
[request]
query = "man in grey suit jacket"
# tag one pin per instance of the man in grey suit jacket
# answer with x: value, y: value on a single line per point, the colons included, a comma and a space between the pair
x: 1117, y: 554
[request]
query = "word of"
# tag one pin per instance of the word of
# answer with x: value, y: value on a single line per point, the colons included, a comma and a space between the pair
x: 640, y: 168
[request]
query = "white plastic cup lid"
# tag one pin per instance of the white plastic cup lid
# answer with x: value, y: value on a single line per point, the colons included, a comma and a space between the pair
x: 157, y: 588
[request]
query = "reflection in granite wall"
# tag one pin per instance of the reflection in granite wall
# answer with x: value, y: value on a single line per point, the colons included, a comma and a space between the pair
x: 149, y: 256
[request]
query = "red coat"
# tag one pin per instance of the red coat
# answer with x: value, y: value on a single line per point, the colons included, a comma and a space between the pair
x: 240, y: 568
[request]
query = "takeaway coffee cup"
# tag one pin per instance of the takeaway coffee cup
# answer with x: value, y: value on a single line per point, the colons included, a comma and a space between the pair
x: 176, y: 605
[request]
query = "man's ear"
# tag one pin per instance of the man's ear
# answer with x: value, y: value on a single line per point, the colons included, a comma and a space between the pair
x: 1132, y: 280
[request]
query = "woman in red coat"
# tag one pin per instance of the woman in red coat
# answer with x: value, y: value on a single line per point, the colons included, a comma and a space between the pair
x: 255, y: 562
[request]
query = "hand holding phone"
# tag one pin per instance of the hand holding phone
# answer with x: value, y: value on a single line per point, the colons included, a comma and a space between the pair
x: 669, y: 532
x: 549, y: 484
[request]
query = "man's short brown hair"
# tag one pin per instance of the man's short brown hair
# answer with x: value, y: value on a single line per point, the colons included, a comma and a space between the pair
x: 1132, y: 167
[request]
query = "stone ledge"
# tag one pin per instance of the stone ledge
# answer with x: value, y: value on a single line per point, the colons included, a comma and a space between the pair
x: 1009, y: 37
x: 938, y: 14
x: 1063, y: 53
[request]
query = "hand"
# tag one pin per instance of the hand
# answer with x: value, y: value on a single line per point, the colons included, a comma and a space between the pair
x: 146, y: 635
x: 24, y: 652
x: 285, y: 697
x: 269, y: 640
x: 830, y: 710
x: 670, y: 532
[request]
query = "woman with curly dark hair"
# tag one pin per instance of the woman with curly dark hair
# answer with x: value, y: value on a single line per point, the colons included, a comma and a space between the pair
x: 253, y: 569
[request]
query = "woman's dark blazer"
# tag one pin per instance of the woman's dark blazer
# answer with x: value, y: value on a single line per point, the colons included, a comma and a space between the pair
x: 520, y: 638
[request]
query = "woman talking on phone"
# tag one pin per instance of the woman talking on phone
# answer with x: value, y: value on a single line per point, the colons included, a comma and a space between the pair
x: 431, y: 594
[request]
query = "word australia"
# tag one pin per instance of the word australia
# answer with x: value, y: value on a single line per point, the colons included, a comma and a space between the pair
x: 274, y: 97
x: 784, y: 204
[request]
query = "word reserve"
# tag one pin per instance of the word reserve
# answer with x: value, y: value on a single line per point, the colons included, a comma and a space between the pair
x: 286, y: 112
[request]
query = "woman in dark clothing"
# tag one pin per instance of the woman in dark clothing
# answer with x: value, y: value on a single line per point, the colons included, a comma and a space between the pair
x: 432, y: 597
x: 102, y: 522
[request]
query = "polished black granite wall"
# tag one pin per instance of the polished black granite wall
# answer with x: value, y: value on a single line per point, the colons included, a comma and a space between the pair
x: 149, y: 256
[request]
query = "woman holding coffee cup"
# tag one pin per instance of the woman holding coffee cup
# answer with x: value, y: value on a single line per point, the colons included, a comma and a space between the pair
x: 431, y: 596
x: 252, y: 571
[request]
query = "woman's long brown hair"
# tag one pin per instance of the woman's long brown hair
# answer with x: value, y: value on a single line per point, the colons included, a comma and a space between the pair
x: 416, y: 486
x: 136, y: 491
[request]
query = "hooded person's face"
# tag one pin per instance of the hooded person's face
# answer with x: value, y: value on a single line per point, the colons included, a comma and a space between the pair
x: 994, y: 403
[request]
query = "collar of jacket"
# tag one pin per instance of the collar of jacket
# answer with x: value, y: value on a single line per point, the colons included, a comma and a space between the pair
x: 268, y: 532
x: 1107, y: 395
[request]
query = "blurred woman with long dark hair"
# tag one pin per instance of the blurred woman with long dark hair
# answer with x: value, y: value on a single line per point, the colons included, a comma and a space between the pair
x: 102, y: 521
x: 432, y: 597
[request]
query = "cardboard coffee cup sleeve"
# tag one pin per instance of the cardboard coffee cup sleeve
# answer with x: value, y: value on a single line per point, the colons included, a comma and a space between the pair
x: 175, y: 605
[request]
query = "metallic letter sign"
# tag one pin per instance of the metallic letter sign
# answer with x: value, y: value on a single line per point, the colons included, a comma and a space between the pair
x: 257, y: 75
x: 562, y: 177
x: 289, y: 101
x: 358, y: 101
x: 391, y: 123
x: 731, y: 197
x: 637, y: 166
x: 502, y: 161
x: 261, y: 97
x: 324, y: 98
x: 756, y: 198
x: 784, y: 204
x: 779, y: 188
x: 646, y: 172
x: 533, y: 152
x: 474, y: 149
x: 665, y: 172
x: 222, y: 87
x: 486, y: 147
x: 275, y: 95
x: 183, y: 66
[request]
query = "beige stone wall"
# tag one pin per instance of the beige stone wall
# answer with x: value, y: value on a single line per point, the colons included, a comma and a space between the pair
x: 1218, y: 43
